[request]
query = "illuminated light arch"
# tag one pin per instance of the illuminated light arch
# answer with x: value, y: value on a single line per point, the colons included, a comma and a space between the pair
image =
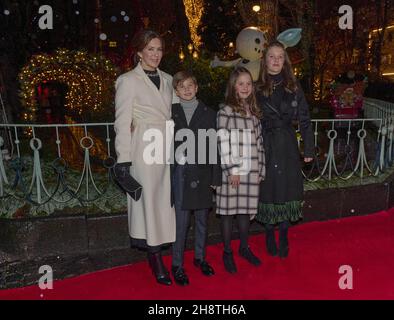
x: 89, y: 79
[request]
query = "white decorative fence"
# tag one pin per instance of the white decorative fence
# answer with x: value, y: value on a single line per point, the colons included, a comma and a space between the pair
x: 58, y: 166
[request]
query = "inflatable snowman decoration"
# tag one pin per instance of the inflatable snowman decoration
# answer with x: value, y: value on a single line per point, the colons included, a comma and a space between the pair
x: 250, y: 45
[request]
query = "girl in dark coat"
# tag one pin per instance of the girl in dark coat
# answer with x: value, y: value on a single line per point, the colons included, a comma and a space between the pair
x: 282, y: 101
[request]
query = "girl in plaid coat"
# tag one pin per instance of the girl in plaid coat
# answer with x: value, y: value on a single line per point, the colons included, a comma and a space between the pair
x: 242, y: 159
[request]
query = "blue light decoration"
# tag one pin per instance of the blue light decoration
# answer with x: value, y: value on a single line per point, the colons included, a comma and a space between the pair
x: 290, y: 37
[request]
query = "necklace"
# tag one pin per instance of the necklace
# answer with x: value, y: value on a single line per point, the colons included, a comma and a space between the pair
x: 151, y: 73
x: 275, y: 84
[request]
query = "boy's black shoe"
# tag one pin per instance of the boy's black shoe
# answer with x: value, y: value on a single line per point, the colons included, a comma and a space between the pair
x: 205, y: 268
x: 180, y: 276
x: 229, y: 263
x: 247, y: 254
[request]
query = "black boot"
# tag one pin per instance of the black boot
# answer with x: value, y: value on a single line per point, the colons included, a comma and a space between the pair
x: 270, y: 242
x: 283, y: 241
x: 158, y: 269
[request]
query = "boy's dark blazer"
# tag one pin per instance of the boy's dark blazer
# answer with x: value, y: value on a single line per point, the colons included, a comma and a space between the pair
x: 198, y: 178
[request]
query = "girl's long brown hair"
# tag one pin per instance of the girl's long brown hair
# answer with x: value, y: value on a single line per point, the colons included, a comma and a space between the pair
x: 265, y: 84
x: 232, y: 99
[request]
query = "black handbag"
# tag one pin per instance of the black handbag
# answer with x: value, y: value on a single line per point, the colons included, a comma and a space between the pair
x: 125, y: 181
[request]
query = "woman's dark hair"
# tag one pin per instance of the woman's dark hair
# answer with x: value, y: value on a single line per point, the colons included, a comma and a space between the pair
x: 265, y: 84
x: 232, y: 99
x: 141, y: 40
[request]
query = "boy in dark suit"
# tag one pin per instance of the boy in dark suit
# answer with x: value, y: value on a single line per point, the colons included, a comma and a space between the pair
x: 193, y: 179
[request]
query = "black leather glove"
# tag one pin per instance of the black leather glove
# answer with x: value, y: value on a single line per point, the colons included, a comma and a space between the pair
x: 126, y: 182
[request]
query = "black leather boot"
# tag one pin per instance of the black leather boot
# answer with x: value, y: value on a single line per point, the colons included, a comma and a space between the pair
x: 283, y: 241
x: 270, y: 242
x: 158, y: 269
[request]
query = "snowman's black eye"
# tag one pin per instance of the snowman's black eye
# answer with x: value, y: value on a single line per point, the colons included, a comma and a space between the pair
x: 257, y: 40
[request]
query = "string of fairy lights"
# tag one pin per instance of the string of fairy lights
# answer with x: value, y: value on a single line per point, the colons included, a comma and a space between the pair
x: 89, y: 79
x: 194, y: 10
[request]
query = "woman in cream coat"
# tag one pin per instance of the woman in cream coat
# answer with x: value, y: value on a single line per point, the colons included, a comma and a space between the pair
x: 143, y: 102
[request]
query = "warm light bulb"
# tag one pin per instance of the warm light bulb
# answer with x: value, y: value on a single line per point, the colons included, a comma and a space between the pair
x: 256, y: 8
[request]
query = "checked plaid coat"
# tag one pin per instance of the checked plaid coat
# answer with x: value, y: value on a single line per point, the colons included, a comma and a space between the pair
x: 235, y: 157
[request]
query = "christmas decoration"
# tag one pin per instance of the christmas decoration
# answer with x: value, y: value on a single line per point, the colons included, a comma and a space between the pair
x: 89, y: 79
x: 194, y: 10
x: 251, y: 43
x: 346, y: 95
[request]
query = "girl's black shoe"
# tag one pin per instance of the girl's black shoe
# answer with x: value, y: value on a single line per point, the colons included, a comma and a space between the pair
x: 247, y: 254
x: 229, y: 263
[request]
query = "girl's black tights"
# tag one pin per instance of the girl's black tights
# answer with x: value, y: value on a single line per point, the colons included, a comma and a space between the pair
x: 243, y: 221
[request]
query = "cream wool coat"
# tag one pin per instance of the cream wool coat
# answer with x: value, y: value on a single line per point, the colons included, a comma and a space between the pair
x: 140, y: 103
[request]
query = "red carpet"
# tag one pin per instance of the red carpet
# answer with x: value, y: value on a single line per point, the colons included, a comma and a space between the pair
x: 317, y: 250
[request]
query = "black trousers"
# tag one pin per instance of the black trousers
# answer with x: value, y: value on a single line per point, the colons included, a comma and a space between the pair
x: 183, y: 223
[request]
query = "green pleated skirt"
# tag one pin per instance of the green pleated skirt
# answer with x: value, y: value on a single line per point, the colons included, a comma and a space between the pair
x: 270, y: 213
